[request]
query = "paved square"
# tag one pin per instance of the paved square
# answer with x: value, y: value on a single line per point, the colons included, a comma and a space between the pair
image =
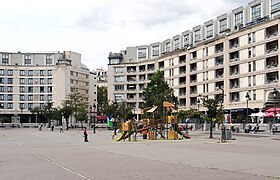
x: 35, y: 155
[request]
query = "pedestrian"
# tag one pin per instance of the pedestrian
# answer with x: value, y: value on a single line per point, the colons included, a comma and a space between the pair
x: 85, y: 134
x: 61, y: 129
x: 113, y: 135
x: 52, y: 127
x: 40, y: 127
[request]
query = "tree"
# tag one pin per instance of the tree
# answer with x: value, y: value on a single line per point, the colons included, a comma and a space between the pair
x: 212, y: 105
x: 36, y: 110
x: 190, y: 113
x: 81, y: 114
x: 4, y: 119
x: 124, y: 111
x: 102, y: 99
x: 74, y: 105
x: 158, y: 91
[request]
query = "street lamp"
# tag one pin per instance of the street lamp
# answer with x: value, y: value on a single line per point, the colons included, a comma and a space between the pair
x: 94, y: 116
x: 275, y: 93
x: 247, y: 99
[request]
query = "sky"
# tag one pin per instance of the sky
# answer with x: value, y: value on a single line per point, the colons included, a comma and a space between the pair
x: 94, y: 28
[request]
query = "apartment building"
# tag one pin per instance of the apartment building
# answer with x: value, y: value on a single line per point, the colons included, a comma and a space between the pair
x: 233, y: 54
x: 101, y: 77
x: 29, y: 80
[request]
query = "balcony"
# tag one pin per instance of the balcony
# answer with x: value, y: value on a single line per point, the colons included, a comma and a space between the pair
x: 271, y: 32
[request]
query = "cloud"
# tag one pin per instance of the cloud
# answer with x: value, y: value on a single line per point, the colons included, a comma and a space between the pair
x: 96, y: 19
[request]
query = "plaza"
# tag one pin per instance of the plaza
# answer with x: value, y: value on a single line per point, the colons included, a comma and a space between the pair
x: 27, y: 153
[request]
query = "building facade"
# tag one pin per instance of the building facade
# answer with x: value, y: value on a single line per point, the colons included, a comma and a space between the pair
x: 233, y: 54
x: 29, y: 80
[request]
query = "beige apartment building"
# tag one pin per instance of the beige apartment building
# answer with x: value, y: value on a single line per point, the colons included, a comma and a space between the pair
x: 235, y: 54
x: 29, y: 80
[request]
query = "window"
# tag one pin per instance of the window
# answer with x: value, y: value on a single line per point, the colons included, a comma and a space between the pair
x: 186, y: 40
x: 142, y: 53
x: 71, y: 81
x: 42, y: 72
x: 2, y: 97
x: 238, y: 19
x: 5, y: 59
x: 119, y: 69
x: 254, y: 80
x: 254, y: 66
x: 10, y: 80
x: 167, y: 47
x: 30, y: 80
x: 197, y: 35
x: 30, y: 89
x: 22, y: 106
x: 49, y: 72
x: 256, y: 12
x: 1, y: 88
x: 42, y: 81
x: 155, y: 50
x: 249, y: 53
x: 30, y: 105
x: 1, y: 80
x: 21, y: 81
x: 49, y: 97
x: 10, y: 72
x: 9, y: 105
x: 42, y: 89
x: 10, y: 89
x: 87, y: 83
x: 21, y: 89
x: 176, y: 43
x: 30, y: 97
x: 9, y: 97
x: 249, y: 81
x: 209, y: 31
x: 48, y: 59
x: 254, y: 95
x: 249, y: 67
x: 119, y: 79
x: 30, y: 72
x: 49, y: 89
x: 119, y: 87
x: 27, y: 59
x: 21, y: 97
x: 71, y: 73
x: 42, y: 98
x: 22, y: 73
x: 223, y: 25
x: 1, y: 72
x: 49, y: 80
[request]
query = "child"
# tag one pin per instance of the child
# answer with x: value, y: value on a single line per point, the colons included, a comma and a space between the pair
x: 113, y: 135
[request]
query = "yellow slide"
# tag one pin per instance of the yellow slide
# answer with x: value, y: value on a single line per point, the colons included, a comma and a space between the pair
x: 121, y: 136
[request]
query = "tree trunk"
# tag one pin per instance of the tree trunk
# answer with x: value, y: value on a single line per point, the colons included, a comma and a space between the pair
x: 211, y: 126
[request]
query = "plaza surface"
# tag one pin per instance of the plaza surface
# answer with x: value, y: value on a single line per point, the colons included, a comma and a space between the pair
x: 35, y: 155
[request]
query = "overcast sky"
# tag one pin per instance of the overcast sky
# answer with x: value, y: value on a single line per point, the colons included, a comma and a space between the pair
x: 93, y: 28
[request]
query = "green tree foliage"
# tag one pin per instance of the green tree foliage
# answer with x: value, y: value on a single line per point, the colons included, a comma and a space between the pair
x: 102, y: 99
x: 158, y: 91
x: 74, y: 105
x: 4, y: 119
x: 214, y: 110
x: 190, y: 113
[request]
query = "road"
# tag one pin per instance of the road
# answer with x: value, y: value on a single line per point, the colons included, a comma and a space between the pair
x: 35, y: 155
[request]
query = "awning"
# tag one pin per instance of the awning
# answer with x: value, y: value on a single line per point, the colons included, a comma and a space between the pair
x: 152, y: 109
x: 273, y: 109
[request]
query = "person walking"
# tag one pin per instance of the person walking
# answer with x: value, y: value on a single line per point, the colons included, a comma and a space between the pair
x: 85, y: 134
x: 61, y: 129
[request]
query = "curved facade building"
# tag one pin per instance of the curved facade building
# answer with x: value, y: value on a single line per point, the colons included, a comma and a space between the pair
x: 233, y: 54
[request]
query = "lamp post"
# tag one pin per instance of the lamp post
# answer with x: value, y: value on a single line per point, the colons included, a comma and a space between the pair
x: 275, y: 92
x: 21, y: 110
x: 94, y: 116
x: 247, y: 100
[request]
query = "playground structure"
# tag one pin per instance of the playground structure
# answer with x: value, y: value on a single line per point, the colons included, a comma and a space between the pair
x: 166, y: 128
